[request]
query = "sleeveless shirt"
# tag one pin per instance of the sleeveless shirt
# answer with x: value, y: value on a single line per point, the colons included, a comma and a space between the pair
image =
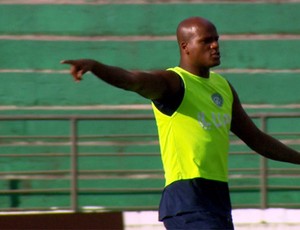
x: 194, y: 140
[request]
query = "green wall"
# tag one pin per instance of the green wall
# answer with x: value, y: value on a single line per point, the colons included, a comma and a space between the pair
x: 49, y: 27
x: 260, y: 46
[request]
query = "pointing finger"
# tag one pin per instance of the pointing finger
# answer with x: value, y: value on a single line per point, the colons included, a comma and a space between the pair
x: 70, y: 62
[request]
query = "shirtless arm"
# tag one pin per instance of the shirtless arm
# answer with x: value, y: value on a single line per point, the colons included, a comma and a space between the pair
x: 153, y: 85
x: 257, y: 140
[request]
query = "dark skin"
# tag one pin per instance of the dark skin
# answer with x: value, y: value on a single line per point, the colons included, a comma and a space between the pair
x: 199, y: 51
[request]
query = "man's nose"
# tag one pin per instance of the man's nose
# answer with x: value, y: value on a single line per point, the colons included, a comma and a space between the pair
x: 214, y: 45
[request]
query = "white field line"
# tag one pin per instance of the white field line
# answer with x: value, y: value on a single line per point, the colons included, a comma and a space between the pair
x: 136, y: 2
x: 48, y: 71
x: 248, y: 71
x: 134, y: 38
x: 127, y: 107
x: 88, y: 107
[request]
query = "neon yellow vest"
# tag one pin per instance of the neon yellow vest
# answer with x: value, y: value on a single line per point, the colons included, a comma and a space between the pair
x: 194, y: 141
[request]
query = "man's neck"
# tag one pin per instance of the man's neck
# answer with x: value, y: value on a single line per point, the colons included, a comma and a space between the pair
x: 203, y: 72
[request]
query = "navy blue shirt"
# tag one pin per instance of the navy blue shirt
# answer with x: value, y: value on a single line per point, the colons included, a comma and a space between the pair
x: 192, y: 195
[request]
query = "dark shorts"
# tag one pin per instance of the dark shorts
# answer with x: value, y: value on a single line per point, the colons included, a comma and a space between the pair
x: 198, y: 220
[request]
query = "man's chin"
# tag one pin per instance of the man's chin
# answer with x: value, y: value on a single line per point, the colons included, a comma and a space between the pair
x: 216, y: 63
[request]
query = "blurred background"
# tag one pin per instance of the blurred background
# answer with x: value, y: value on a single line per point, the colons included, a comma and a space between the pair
x: 88, y: 147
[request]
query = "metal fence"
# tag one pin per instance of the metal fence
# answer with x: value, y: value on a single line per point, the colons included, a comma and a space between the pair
x: 75, y: 137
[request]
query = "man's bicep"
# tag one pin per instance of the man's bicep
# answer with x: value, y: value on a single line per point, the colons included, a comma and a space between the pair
x: 157, y: 85
x: 241, y: 124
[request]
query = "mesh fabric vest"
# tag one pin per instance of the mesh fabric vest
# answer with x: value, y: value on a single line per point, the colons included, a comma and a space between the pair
x: 194, y: 141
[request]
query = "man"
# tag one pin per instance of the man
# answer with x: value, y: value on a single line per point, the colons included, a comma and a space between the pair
x: 195, y: 109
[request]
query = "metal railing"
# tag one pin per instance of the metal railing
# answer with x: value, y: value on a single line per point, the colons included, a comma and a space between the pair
x: 75, y: 139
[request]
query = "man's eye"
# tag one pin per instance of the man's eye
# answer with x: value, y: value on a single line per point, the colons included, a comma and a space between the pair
x: 210, y: 40
x: 207, y: 41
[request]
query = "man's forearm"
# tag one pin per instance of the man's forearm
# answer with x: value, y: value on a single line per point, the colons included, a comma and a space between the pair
x: 112, y: 75
x: 275, y: 150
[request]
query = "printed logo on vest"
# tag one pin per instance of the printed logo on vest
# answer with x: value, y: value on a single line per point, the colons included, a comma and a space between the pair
x: 217, y: 99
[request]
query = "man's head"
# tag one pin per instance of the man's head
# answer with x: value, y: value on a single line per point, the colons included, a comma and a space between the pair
x: 198, y: 43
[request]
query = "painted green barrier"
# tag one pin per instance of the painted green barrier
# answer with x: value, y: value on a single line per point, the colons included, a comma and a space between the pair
x: 243, y: 54
x: 59, y: 89
x: 146, y: 19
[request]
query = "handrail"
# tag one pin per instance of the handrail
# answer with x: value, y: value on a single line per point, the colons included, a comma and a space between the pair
x: 74, y: 174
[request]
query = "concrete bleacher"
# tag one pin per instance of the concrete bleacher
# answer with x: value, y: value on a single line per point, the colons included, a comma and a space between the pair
x: 259, y: 42
x: 259, y: 45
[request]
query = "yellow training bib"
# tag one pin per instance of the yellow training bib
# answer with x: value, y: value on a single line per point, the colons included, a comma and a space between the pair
x: 194, y: 141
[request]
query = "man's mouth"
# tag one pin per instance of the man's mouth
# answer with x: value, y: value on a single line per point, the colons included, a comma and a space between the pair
x: 216, y: 55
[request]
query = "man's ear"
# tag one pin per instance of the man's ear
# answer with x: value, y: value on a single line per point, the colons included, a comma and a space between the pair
x: 184, y: 47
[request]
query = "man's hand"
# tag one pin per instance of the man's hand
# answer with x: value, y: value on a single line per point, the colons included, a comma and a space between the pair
x: 79, y: 67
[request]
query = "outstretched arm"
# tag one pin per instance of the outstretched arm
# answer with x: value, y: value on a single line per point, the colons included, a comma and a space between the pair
x: 153, y: 85
x: 262, y: 143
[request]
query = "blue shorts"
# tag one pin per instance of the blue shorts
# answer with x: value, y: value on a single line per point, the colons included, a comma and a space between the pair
x: 198, y: 220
